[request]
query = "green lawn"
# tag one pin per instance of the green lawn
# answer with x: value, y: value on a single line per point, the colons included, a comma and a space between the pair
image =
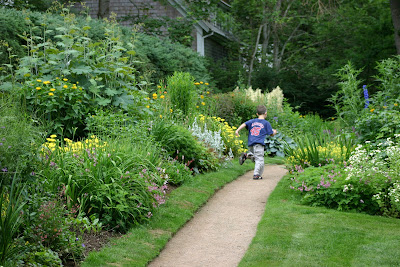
x: 290, y: 234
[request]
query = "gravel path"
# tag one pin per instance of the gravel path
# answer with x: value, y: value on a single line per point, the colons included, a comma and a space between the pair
x: 220, y: 233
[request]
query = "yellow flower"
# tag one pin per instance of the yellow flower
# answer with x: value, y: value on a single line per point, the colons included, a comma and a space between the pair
x: 165, y: 92
x: 38, y: 88
x: 384, y: 106
x: 202, y: 96
x: 53, y: 136
x: 372, y: 110
x: 39, y: 81
x: 208, y: 92
x: 170, y: 110
x: 46, y: 82
x: 206, y: 83
x: 147, y: 98
x: 52, y: 89
x: 147, y: 106
x: 74, y: 87
x: 51, y: 139
x: 161, y: 116
x: 197, y: 83
x: 395, y: 104
x: 158, y: 86
x: 197, y: 106
x: 162, y: 96
x: 154, y: 96
x: 332, y: 118
x: 51, y: 94
x: 65, y: 86
x: 65, y: 79
x: 203, y: 103
x: 201, y: 82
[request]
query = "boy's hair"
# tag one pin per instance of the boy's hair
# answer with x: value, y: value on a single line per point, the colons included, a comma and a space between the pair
x: 261, y: 110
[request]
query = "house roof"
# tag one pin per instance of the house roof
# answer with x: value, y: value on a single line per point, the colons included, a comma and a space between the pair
x: 200, y: 24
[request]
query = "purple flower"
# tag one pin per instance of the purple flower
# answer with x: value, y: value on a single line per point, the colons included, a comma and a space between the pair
x: 83, y: 245
x: 1, y: 144
x: 4, y: 169
x: 366, y: 96
x: 33, y: 173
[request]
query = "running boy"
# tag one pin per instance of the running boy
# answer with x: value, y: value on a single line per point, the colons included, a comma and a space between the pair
x: 258, y: 129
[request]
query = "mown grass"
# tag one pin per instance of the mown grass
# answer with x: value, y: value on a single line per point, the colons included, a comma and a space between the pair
x: 143, y: 243
x: 290, y: 234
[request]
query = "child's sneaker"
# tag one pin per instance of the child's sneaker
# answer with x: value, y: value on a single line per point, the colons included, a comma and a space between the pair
x: 242, y: 158
x: 257, y: 177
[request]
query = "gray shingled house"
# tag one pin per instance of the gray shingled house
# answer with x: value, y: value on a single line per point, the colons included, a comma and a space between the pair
x: 209, y: 37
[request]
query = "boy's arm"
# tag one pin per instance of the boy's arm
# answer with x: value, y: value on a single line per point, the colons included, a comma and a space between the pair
x: 274, y: 132
x: 240, y: 128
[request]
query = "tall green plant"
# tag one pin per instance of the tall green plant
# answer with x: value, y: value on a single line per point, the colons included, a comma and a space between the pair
x: 389, y: 78
x: 182, y: 91
x: 11, y: 205
x: 105, y: 67
x: 348, y: 101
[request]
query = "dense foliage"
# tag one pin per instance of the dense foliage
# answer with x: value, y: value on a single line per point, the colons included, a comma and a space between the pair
x: 97, y: 121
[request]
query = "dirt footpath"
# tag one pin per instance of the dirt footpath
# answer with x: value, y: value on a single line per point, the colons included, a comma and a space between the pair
x: 220, y: 233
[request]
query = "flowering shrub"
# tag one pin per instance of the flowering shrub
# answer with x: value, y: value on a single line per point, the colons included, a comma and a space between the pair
x: 326, y: 186
x: 64, y: 105
x: 110, y: 180
x: 368, y: 182
x: 230, y: 141
x: 312, y: 150
x: 378, y: 169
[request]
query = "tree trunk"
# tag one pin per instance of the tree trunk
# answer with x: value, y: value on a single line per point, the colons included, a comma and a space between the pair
x: 254, y: 55
x: 104, y: 9
x: 395, y: 8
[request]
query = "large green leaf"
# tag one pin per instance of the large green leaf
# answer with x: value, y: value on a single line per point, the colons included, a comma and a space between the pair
x: 81, y: 69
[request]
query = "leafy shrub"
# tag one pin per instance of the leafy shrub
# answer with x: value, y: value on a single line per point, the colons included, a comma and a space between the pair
x: 18, y: 137
x: 179, y: 143
x: 389, y: 80
x: 177, y: 172
x: 182, y: 91
x: 234, y: 107
x: 161, y: 58
x: 51, y: 226
x: 378, y: 123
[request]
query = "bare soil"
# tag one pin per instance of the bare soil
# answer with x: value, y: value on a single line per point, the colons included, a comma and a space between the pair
x: 220, y: 233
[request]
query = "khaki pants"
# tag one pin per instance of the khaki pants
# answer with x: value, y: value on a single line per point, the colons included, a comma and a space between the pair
x: 257, y: 151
